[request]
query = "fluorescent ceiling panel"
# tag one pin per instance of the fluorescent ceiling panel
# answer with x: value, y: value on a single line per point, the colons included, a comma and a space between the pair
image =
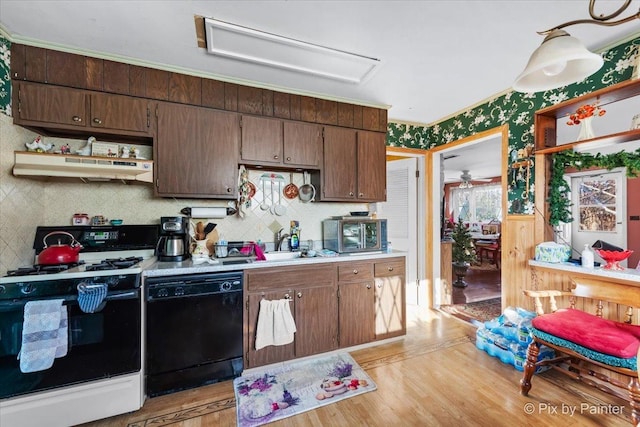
x: 271, y: 50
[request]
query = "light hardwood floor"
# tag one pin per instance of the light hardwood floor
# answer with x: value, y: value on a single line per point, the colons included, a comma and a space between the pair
x: 434, y: 376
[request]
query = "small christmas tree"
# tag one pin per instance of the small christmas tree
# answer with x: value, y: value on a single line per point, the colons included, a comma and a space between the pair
x: 463, y: 250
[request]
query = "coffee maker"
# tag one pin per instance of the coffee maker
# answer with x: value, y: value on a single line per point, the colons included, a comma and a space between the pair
x: 173, y: 244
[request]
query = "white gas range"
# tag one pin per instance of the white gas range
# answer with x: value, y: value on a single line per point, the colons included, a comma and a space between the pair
x: 101, y: 373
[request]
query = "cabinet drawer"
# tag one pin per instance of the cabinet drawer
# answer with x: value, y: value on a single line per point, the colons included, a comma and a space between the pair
x: 394, y: 267
x: 355, y: 271
x: 289, y: 277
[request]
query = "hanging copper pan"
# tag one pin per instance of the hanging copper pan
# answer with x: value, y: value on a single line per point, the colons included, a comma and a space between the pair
x: 291, y: 190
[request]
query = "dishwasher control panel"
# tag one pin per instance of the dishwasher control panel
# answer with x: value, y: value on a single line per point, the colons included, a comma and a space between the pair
x: 192, y: 285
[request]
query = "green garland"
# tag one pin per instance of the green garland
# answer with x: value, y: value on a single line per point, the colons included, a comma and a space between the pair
x: 558, y: 195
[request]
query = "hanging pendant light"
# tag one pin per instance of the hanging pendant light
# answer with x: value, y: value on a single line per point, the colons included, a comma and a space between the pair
x: 563, y: 59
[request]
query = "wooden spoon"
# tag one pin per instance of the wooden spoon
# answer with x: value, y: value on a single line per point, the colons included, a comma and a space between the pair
x: 200, y: 231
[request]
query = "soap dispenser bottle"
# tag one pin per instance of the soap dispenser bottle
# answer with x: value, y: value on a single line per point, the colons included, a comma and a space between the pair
x: 294, y: 232
x: 587, y: 257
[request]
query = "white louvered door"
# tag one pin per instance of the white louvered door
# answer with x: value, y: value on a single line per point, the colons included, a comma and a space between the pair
x: 400, y: 210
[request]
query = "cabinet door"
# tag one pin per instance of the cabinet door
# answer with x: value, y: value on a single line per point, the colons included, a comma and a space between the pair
x: 389, y: 307
x: 302, y: 144
x: 196, y: 152
x: 119, y: 112
x: 372, y: 172
x: 261, y: 140
x: 51, y: 104
x: 356, y: 313
x: 339, y: 171
x: 272, y: 353
x: 316, y: 320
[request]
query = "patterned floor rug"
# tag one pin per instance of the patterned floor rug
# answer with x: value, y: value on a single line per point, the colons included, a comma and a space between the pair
x: 475, y: 312
x: 295, y: 387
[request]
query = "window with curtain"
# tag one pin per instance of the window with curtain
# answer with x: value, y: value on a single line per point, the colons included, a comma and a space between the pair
x: 477, y: 204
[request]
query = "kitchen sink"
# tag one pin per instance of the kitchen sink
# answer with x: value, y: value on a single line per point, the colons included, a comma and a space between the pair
x: 281, y: 255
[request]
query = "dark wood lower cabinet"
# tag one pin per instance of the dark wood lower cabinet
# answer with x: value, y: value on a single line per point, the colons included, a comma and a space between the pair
x: 356, y: 313
x: 313, y: 300
x: 196, y: 152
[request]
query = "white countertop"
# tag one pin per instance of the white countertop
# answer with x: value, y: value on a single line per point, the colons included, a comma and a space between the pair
x: 187, y: 267
x: 626, y: 274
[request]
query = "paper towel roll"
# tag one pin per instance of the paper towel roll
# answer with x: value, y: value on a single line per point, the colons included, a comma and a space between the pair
x: 208, y: 212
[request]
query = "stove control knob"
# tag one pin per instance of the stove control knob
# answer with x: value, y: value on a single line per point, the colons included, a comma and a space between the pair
x: 27, y: 288
x: 225, y: 286
x: 179, y: 291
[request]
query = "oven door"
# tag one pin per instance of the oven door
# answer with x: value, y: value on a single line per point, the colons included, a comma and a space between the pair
x: 101, y: 345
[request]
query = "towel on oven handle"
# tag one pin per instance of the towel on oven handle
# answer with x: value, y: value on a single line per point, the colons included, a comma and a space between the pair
x: 44, y: 334
x: 91, y: 296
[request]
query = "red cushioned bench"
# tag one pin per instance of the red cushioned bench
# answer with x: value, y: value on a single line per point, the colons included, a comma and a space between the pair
x: 582, y: 340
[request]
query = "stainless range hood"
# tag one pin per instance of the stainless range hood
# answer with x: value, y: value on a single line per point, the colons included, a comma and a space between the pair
x: 84, y: 167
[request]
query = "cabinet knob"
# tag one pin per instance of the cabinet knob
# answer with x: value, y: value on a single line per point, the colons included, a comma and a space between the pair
x: 76, y: 119
x: 389, y: 268
x: 379, y: 285
x: 355, y: 271
x: 368, y: 286
x: 287, y: 296
x: 97, y: 121
x: 229, y: 190
x: 351, y: 193
x: 299, y: 294
x: 360, y: 194
x: 288, y: 159
x: 275, y: 157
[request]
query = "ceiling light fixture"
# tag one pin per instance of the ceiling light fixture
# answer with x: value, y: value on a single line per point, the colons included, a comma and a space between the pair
x: 466, y: 180
x: 271, y: 50
x: 563, y: 59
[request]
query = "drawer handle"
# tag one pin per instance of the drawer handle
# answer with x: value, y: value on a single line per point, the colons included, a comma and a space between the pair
x: 355, y: 271
x: 299, y: 294
x: 390, y: 268
x: 97, y: 121
x: 275, y: 157
x: 76, y: 119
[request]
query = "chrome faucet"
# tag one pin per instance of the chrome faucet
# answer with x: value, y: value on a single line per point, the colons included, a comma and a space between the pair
x: 280, y: 238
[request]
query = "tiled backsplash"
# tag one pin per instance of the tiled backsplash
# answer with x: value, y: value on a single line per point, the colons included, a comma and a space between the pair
x: 28, y: 202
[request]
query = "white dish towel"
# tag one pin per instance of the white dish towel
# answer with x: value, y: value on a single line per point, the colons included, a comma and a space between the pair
x: 275, y: 323
x: 44, y: 334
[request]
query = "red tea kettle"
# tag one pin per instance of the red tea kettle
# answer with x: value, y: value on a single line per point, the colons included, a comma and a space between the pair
x: 59, y: 254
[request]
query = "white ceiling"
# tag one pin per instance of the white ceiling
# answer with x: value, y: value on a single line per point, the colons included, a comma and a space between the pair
x: 438, y: 57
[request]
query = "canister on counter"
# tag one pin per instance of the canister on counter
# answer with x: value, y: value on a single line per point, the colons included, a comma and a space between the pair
x: 80, y: 219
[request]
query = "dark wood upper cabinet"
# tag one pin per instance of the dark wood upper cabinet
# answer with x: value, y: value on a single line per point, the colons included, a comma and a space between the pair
x: 120, y: 112
x: 261, y: 141
x: 95, y: 74
x: 231, y: 97
x: 281, y: 105
x: 36, y: 64
x: 117, y: 77
x: 137, y: 81
x: 66, y: 69
x: 213, y: 94
x: 354, y: 166
x: 371, y: 166
x: 345, y: 115
x: 302, y: 145
x: 196, y: 152
x: 157, y: 84
x: 370, y: 118
x: 185, y: 89
x: 339, y: 170
x: 50, y: 105
x: 326, y: 112
x: 308, y: 109
x: 250, y: 100
x: 281, y: 144
x: 18, y: 62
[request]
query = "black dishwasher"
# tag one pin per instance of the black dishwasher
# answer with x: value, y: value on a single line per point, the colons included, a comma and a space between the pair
x: 193, y: 330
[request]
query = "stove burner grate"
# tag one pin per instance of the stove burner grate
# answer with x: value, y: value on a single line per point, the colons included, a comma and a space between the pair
x: 114, y: 264
x: 38, y: 269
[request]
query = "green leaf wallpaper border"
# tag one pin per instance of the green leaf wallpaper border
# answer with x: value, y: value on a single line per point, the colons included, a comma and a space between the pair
x: 5, y: 76
x: 517, y: 110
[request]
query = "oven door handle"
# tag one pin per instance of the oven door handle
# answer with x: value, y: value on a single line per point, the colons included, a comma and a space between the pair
x: 68, y: 299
